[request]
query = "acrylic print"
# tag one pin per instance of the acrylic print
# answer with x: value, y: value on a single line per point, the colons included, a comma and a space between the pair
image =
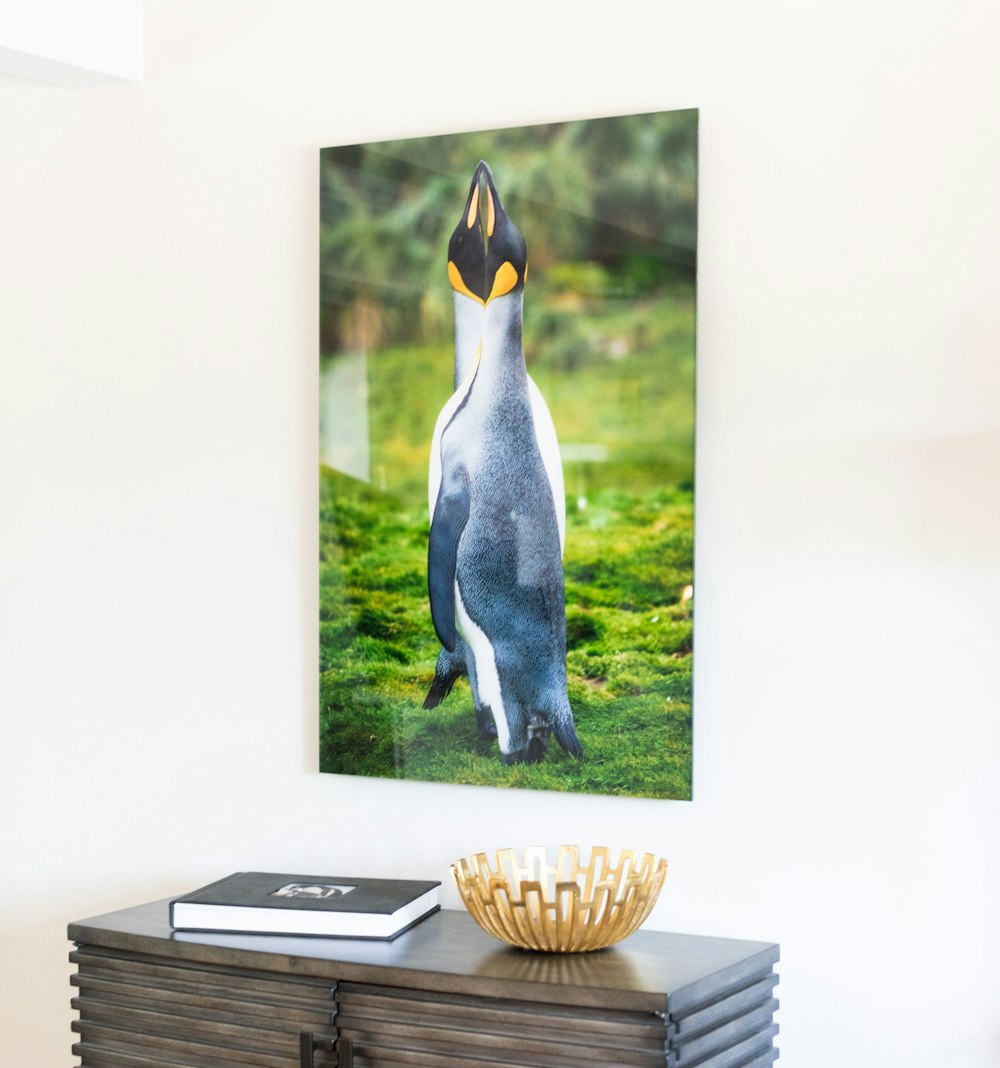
x: 507, y: 336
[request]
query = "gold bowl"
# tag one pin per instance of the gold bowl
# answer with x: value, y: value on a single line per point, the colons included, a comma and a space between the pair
x: 562, y: 908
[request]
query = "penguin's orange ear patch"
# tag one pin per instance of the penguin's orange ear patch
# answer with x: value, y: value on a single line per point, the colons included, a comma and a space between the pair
x: 504, y: 280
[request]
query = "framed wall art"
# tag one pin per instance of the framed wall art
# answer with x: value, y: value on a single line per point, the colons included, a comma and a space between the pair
x: 507, y: 372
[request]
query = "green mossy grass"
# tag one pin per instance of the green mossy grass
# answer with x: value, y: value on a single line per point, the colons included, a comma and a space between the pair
x: 628, y: 659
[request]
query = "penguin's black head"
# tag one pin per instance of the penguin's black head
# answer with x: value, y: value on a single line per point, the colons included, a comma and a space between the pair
x: 487, y: 256
x: 467, y: 247
x: 506, y: 251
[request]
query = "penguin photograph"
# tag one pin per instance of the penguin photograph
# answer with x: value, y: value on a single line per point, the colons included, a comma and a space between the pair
x: 506, y: 507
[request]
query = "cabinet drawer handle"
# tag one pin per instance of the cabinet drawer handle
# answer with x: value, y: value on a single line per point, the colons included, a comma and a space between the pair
x: 310, y: 1042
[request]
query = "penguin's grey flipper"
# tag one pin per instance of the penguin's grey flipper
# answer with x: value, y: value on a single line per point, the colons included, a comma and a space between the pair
x: 451, y: 513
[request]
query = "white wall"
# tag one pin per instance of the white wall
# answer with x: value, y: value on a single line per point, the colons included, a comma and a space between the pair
x: 157, y: 487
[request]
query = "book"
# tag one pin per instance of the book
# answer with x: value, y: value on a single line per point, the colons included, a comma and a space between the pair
x: 253, y: 902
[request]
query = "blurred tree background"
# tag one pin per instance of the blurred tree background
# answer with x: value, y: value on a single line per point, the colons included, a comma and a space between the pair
x: 608, y: 208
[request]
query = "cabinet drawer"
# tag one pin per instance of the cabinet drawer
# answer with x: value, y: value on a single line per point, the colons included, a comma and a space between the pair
x: 391, y: 1025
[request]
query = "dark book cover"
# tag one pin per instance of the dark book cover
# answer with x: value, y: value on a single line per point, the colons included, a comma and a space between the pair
x: 332, y: 906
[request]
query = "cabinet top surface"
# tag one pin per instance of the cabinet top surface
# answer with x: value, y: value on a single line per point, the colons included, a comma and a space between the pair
x: 449, y: 945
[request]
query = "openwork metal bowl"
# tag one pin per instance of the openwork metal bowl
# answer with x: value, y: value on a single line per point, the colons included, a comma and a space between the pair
x: 566, y: 907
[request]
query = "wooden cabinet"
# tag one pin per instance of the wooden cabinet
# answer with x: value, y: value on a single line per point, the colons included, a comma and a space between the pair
x: 443, y: 993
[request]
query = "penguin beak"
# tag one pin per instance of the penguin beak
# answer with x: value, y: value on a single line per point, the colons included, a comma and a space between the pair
x: 472, y: 202
x: 493, y: 205
x: 483, y: 201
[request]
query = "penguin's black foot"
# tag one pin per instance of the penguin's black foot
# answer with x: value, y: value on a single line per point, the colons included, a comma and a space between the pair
x: 528, y: 755
x: 535, y: 752
x: 538, y: 741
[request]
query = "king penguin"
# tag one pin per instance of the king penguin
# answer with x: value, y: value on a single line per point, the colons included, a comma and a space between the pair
x: 495, y: 549
x: 467, y: 275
